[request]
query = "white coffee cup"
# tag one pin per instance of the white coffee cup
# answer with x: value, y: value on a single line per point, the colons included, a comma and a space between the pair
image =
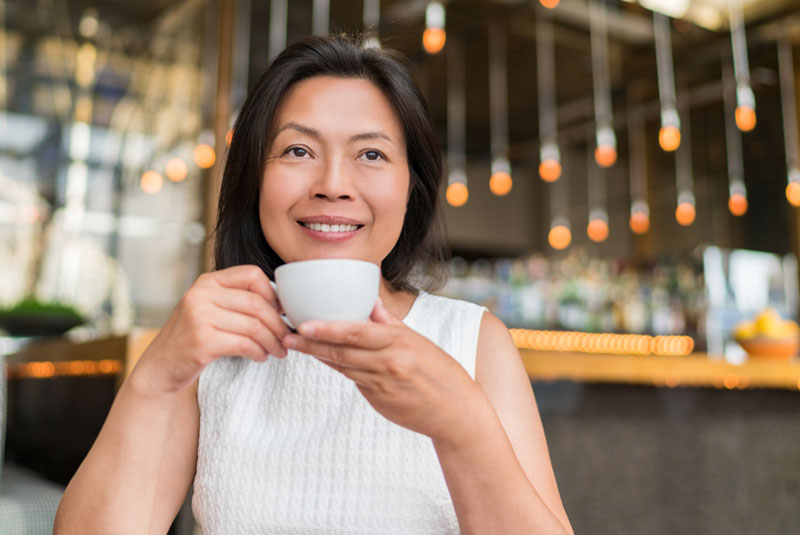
x: 329, y: 289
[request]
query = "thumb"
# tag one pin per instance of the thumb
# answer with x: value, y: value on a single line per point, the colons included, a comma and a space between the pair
x: 380, y: 314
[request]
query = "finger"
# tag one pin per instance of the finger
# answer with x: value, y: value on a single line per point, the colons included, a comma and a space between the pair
x: 251, y: 327
x: 344, y: 356
x: 363, y: 335
x: 252, y: 304
x: 227, y: 344
x: 380, y: 314
x: 247, y: 277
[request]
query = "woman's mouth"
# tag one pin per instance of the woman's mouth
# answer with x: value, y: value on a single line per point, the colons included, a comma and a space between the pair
x: 324, y: 227
x: 330, y: 232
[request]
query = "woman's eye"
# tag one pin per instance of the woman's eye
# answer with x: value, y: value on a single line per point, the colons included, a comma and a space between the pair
x: 297, y: 152
x: 373, y: 155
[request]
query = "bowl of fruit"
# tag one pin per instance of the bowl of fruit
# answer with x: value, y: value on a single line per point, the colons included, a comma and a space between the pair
x: 768, y: 336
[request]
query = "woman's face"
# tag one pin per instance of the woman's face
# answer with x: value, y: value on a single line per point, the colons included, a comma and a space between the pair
x: 336, y: 180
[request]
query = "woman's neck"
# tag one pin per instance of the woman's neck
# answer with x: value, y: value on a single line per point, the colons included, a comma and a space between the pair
x: 397, y: 302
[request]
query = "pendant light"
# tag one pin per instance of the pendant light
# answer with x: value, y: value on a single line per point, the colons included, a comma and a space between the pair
x: 457, y: 191
x: 606, y: 151
x: 637, y: 169
x: 500, y: 182
x: 790, y: 136
x: 737, y: 192
x: 549, y: 155
x: 669, y: 136
x: 745, y: 112
x: 686, y: 210
x: 597, y: 229
x: 434, y: 36
x: 560, y: 235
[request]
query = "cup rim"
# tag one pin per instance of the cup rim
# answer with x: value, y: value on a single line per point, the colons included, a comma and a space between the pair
x: 315, y: 260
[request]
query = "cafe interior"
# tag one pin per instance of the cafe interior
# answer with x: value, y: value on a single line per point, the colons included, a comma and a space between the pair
x: 621, y: 187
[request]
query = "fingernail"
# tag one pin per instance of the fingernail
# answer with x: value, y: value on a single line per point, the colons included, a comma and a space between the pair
x: 290, y: 341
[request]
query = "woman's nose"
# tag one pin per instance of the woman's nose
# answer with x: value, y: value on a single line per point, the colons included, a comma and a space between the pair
x: 334, y: 182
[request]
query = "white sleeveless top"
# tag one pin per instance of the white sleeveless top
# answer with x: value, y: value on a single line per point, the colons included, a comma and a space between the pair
x: 292, y: 447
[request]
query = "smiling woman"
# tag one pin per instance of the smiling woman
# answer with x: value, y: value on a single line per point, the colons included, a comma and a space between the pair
x: 403, y: 424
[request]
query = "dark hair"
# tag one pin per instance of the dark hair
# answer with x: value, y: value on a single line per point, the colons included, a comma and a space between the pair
x: 420, y: 249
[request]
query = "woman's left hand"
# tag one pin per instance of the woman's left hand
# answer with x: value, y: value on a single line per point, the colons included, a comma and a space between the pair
x: 403, y: 375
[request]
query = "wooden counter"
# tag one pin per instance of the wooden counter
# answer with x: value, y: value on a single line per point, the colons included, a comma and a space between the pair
x: 697, y: 370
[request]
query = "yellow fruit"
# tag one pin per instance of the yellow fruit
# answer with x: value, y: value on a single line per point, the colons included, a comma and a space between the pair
x: 745, y: 330
x: 768, y: 322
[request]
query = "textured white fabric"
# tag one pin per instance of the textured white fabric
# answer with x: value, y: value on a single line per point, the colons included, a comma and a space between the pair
x: 292, y: 447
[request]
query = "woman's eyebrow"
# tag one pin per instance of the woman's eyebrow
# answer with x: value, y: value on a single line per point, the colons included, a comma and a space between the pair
x: 317, y: 135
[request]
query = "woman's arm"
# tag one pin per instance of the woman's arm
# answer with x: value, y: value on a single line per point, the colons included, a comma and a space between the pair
x: 139, y: 469
x: 498, y: 470
x: 137, y: 473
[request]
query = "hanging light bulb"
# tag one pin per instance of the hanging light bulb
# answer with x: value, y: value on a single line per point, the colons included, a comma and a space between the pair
x: 500, y: 182
x: 606, y: 152
x: 737, y: 202
x: 457, y: 192
x: 790, y: 134
x: 640, y: 217
x: 669, y: 136
x: 559, y: 236
x: 549, y: 154
x: 745, y: 113
x: 597, y: 229
x: 151, y: 182
x: 434, y: 36
x: 685, y: 212
x: 550, y: 167
x: 549, y: 4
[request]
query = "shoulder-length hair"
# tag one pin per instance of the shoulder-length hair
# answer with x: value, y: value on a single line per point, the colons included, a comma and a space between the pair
x: 417, y: 259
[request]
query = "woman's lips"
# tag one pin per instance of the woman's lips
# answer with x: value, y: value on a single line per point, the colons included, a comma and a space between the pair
x: 329, y: 236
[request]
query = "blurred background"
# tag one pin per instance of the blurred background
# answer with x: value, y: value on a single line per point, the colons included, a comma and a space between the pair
x: 621, y: 187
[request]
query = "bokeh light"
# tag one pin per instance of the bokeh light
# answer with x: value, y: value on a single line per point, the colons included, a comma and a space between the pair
x: 176, y: 169
x: 500, y: 183
x: 597, y: 230
x: 605, y: 155
x: 151, y: 182
x: 457, y: 194
x: 685, y: 214
x: 204, y: 156
x: 793, y: 193
x: 550, y: 170
x: 639, y: 222
x: 745, y: 118
x: 669, y: 138
x: 737, y: 204
x: 559, y: 237
x: 433, y: 40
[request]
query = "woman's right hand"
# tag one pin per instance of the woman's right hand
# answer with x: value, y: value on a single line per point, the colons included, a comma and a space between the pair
x: 231, y: 312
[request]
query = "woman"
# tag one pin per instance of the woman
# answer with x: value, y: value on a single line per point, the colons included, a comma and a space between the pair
x: 425, y: 424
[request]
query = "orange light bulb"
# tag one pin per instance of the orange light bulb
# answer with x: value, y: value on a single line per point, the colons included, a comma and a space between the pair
x: 685, y: 213
x: 151, y: 182
x: 597, y: 230
x: 550, y: 170
x: 433, y: 40
x: 500, y: 183
x: 559, y: 237
x: 669, y: 138
x: 204, y: 156
x: 639, y: 222
x: 176, y: 169
x: 737, y: 204
x: 457, y: 194
x: 605, y: 155
x: 549, y: 4
x: 745, y: 118
x: 793, y: 193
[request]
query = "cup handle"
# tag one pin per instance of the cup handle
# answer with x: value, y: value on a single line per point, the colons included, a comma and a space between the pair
x: 285, y: 319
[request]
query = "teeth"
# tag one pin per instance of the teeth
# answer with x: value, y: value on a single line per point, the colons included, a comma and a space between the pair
x: 323, y: 227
